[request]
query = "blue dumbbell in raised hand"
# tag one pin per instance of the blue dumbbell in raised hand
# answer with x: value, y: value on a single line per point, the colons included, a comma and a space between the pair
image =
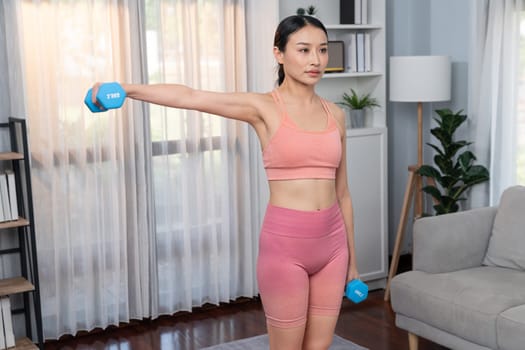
x: 109, y: 96
x: 356, y: 290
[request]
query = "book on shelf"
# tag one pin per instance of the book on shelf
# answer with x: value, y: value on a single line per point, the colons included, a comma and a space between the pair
x: 353, y: 11
x: 11, y: 186
x: 2, y: 216
x: 360, y: 52
x: 4, y: 197
x: 357, y: 12
x: 3, y: 344
x: 7, y: 323
x: 352, y: 53
x: 347, y: 11
x: 368, y: 53
x: 358, y: 46
x: 8, y: 198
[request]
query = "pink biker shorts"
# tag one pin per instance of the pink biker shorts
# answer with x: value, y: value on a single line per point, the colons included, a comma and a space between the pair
x: 302, y: 264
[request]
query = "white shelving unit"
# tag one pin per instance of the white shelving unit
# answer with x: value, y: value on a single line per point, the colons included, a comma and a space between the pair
x: 366, y: 147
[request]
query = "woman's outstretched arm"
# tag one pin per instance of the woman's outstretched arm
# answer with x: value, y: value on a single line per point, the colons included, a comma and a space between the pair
x: 239, y: 106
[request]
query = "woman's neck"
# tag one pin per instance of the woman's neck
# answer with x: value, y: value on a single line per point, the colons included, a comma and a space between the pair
x: 299, y: 93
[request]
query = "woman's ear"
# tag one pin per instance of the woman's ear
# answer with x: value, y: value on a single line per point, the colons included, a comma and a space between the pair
x: 278, y: 54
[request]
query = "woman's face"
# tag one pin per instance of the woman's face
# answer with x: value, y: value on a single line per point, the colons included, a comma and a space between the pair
x: 306, y: 55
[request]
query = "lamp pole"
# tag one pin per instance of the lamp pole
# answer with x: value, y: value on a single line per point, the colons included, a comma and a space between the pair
x: 415, y: 79
x: 418, y: 206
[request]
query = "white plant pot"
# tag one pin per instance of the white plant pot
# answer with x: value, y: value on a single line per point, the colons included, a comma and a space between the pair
x: 357, y: 118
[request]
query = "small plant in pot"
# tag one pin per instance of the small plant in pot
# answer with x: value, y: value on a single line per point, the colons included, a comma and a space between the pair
x: 454, y: 173
x: 358, y: 104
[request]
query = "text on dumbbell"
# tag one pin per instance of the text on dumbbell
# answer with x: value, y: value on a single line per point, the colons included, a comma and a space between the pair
x: 113, y: 95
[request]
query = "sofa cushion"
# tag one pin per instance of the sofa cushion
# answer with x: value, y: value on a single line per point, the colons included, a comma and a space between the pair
x: 507, y: 242
x: 465, y: 303
x: 511, y: 328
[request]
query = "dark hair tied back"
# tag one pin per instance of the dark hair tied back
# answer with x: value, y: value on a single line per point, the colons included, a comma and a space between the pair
x: 287, y: 27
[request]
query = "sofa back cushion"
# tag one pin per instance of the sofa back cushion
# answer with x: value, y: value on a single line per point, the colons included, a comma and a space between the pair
x: 507, y: 242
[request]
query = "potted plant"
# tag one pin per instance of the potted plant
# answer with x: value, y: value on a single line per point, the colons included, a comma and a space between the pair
x: 454, y: 173
x: 357, y: 106
x: 309, y: 11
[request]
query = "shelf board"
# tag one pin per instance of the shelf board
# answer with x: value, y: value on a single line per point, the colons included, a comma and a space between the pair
x: 15, y: 223
x: 11, y: 156
x: 24, y: 344
x: 351, y: 75
x: 376, y: 130
x: 15, y: 285
x: 353, y: 26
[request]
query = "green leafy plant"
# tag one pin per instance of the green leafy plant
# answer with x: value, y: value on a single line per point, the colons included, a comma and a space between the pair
x: 454, y: 173
x: 354, y: 101
x: 310, y: 11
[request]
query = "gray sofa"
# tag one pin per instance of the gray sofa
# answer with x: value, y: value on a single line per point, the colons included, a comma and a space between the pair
x: 467, y: 287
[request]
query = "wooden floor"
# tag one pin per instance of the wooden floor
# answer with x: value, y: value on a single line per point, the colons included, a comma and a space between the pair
x: 370, y: 324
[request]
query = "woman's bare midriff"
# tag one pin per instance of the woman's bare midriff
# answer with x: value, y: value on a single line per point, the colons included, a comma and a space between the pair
x: 303, y: 194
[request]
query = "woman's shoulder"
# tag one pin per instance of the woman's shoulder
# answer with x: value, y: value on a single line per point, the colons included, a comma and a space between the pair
x: 259, y: 96
x: 334, y: 108
x: 261, y: 99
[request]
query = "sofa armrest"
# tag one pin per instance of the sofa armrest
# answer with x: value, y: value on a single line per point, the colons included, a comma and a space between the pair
x: 452, y: 242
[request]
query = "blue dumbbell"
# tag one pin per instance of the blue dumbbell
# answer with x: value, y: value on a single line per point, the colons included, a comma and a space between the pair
x: 356, y: 290
x: 89, y: 103
x: 109, y: 96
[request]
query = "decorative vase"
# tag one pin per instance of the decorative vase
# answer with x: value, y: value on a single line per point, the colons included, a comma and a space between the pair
x: 357, y: 118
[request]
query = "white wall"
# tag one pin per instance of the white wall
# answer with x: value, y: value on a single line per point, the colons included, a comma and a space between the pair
x: 10, y: 67
x: 4, y: 96
x: 5, y: 103
x: 327, y: 10
x: 422, y: 27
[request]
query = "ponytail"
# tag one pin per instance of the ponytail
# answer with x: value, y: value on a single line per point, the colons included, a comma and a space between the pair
x: 280, y: 75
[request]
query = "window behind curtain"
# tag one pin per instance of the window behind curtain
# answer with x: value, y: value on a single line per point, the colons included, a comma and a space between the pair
x: 205, y: 217
x: 169, y: 58
x: 177, y: 32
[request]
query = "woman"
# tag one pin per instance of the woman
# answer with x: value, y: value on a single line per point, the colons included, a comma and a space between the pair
x: 306, y: 246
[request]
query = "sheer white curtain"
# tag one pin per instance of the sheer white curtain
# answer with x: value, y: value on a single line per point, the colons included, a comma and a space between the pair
x: 90, y: 176
x: 207, y: 208
x: 109, y: 218
x: 493, y: 92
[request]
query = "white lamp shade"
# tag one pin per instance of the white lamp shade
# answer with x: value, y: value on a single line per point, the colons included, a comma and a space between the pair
x: 420, y: 78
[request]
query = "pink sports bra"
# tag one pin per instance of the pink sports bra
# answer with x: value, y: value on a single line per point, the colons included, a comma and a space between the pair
x: 293, y: 153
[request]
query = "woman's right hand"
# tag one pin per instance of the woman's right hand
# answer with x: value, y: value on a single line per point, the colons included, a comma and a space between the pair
x: 94, y: 91
x: 104, y: 96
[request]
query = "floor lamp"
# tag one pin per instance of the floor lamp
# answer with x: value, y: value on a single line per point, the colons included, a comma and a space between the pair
x: 415, y: 79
